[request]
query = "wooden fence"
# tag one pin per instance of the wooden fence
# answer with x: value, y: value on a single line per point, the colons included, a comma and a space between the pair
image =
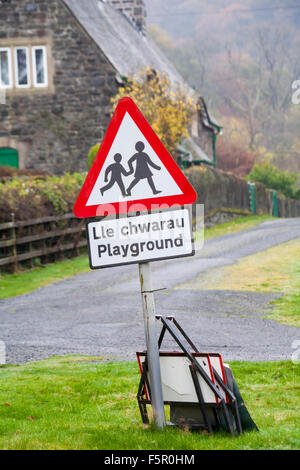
x: 25, y: 244
x: 39, y: 241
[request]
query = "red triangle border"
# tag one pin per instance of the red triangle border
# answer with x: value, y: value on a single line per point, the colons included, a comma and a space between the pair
x: 188, y: 195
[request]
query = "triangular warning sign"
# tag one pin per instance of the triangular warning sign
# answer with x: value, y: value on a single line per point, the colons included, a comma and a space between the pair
x: 132, y: 167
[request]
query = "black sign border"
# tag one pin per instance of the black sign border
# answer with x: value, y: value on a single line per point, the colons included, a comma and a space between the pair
x: 192, y: 253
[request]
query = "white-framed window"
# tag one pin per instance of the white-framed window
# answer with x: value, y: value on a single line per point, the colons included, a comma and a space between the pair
x: 39, y: 59
x: 5, y: 68
x: 22, y: 67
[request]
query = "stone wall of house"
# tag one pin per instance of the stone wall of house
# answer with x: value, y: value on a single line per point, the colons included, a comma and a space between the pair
x: 55, y: 127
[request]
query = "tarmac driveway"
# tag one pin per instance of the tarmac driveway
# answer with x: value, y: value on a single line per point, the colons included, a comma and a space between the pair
x: 99, y: 312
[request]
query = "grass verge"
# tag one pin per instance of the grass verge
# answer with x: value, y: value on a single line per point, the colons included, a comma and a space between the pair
x: 12, y: 285
x: 274, y: 270
x: 24, y: 282
x: 72, y: 402
x: 235, y: 225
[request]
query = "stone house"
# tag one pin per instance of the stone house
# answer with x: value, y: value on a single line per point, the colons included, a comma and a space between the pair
x: 60, y: 63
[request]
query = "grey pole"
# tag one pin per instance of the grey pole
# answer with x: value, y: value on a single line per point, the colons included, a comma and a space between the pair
x: 152, y: 345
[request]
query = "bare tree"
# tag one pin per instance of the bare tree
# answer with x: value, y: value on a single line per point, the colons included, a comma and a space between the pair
x: 259, y: 89
x: 280, y: 64
x: 241, y: 89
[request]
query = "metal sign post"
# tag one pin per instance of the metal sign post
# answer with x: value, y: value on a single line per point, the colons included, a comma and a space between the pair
x: 134, y: 170
x: 152, y: 345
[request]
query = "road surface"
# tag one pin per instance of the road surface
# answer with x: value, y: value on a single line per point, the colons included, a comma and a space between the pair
x: 99, y: 312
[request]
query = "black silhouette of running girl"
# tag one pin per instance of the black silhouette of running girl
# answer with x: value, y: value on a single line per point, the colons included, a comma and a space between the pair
x: 142, y: 170
x: 116, y: 170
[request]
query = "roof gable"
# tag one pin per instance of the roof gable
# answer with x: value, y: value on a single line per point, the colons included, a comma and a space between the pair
x: 127, y: 49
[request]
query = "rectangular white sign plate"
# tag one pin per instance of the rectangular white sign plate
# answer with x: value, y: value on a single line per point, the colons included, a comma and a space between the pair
x: 137, y: 239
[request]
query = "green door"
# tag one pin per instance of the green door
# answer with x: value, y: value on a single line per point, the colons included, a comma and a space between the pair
x: 9, y: 157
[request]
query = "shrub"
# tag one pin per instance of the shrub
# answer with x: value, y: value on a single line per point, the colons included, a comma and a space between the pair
x: 273, y: 178
x: 29, y: 197
x: 167, y: 107
x: 9, y: 172
x: 234, y: 158
x: 92, y: 155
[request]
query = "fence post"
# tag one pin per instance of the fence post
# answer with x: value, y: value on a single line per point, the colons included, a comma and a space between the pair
x: 275, y: 203
x: 252, y: 197
x: 14, y: 246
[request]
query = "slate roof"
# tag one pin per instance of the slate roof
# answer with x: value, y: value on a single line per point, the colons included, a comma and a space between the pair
x: 126, y: 48
x: 208, y: 120
x: 191, y: 147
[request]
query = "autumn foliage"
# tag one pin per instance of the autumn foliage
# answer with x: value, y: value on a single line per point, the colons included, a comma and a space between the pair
x: 167, y: 107
x: 234, y: 158
x: 9, y: 172
x: 29, y: 197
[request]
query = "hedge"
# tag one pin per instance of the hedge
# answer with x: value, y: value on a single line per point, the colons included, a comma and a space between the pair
x: 29, y: 197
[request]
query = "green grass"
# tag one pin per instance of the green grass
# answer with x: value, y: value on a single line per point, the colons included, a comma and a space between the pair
x: 235, y: 225
x: 12, y: 285
x: 27, y: 281
x: 287, y: 310
x: 274, y: 270
x: 74, y: 403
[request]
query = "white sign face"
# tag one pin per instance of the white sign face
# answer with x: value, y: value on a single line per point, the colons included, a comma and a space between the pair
x: 177, y: 382
x: 132, y: 170
x: 141, y: 238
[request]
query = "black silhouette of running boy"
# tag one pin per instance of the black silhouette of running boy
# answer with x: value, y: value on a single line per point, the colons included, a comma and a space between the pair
x: 116, y: 170
x: 142, y: 170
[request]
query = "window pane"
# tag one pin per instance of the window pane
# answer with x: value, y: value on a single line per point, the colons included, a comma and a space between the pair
x: 40, y: 75
x: 4, y: 69
x: 22, y: 67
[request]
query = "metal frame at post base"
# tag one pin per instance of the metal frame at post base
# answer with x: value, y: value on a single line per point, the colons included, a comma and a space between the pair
x: 144, y: 390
